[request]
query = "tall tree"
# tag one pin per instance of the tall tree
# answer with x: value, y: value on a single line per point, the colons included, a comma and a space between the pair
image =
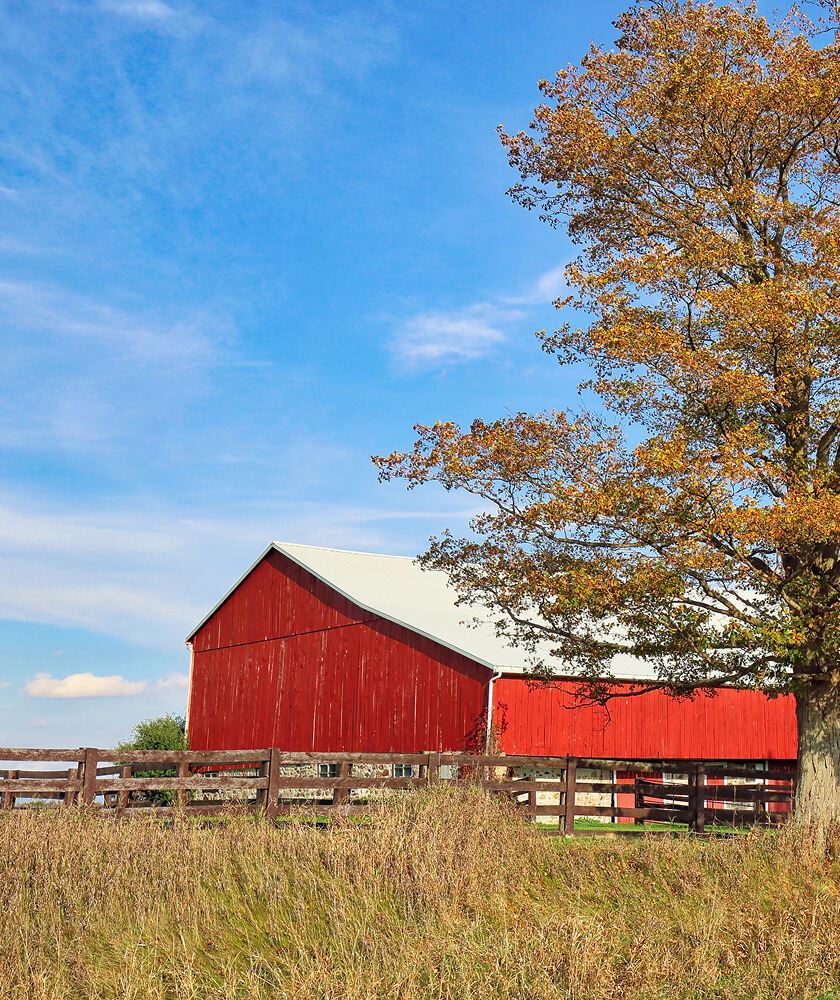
x: 693, y: 518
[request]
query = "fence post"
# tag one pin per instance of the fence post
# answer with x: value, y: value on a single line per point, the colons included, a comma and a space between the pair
x: 692, y: 797
x: 124, y: 796
x: 272, y: 795
x: 91, y: 759
x: 569, y: 811
x: 183, y: 772
x: 68, y: 798
x: 639, y: 801
x: 264, y: 772
x: 341, y: 796
x: 9, y: 797
x: 433, y: 767
x: 700, y: 793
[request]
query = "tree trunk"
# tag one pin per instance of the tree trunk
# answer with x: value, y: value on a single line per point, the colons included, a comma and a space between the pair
x: 818, y: 779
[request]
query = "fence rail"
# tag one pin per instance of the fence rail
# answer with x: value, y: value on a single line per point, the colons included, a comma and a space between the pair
x: 558, y: 790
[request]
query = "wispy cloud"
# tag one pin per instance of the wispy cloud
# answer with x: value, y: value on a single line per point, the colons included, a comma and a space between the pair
x: 148, y: 575
x: 85, y: 685
x: 154, y: 10
x: 548, y: 287
x: 86, y: 371
x: 173, y: 682
x: 155, y: 15
x: 439, y: 338
x: 65, y: 315
x: 306, y: 55
x: 435, y: 339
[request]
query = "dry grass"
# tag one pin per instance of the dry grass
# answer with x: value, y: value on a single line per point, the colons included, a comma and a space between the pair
x: 444, y: 895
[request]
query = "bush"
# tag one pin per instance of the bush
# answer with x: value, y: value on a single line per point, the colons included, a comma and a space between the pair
x: 167, y: 732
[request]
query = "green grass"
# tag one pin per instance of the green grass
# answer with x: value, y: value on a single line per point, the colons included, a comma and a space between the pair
x: 444, y: 894
x: 618, y: 829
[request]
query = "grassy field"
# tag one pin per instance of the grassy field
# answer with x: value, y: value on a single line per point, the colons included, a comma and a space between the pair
x: 443, y: 895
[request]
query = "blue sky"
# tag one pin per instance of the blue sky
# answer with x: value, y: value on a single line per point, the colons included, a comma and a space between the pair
x: 245, y: 246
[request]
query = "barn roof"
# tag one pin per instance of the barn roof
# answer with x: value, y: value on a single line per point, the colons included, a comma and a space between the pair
x: 398, y: 589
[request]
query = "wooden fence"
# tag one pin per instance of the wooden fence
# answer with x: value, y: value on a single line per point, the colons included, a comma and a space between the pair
x: 548, y: 790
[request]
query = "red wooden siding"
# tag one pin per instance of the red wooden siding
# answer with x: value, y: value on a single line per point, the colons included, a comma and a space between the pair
x: 298, y: 667
x: 288, y: 662
x: 279, y: 598
x: 732, y: 725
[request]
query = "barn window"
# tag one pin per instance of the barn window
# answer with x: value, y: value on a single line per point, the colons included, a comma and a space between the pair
x: 328, y: 770
x: 403, y: 770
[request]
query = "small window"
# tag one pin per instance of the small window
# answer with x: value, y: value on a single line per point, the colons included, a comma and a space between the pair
x: 403, y: 770
x: 328, y: 770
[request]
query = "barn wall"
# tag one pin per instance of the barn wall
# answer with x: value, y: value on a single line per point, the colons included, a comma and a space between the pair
x: 277, y: 599
x: 732, y: 725
x: 287, y: 662
x: 341, y: 680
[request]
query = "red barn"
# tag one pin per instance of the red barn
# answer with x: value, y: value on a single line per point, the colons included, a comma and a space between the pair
x: 323, y: 650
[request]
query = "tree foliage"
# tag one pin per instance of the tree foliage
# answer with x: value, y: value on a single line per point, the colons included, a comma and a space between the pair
x: 693, y: 517
x: 166, y: 732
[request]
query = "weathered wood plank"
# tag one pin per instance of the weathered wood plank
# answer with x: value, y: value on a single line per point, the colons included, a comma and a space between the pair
x: 677, y: 815
x: 193, y: 809
x: 193, y: 782
x: 470, y: 760
x: 41, y: 775
x: 609, y: 788
x: 23, y: 786
x: 184, y: 772
x: 63, y: 756
x: 521, y: 785
x: 570, y: 807
x: 341, y: 795
x: 89, y: 775
x: 169, y: 758
x: 743, y: 793
x: 747, y: 772
x: 273, y: 791
x: 331, y: 784
x: 8, y: 798
x: 284, y: 758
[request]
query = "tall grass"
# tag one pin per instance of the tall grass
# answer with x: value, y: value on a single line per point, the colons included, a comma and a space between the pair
x: 444, y: 895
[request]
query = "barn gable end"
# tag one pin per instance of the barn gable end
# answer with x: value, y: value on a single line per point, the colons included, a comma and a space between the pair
x: 286, y: 661
x: 277, y: 598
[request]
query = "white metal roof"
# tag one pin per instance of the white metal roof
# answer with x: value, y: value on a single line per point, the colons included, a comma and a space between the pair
x: 398, y: 589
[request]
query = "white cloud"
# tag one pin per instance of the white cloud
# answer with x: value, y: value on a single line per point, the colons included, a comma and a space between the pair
x: 147, y: 575
x: 310, y: 55
x: 86, y: 373
x: 174, y: 682
x: 166, y: 18
x: 154, y: 10
x: 85, y: 685
x: 141, y: 339
x: 436, y: 338
x: 548, y: 287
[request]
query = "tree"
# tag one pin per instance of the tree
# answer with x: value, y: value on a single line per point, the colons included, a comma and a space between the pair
x: 693, y: 517
x: 167, y: 732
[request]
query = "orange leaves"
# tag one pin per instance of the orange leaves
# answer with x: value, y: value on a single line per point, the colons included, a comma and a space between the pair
x: 697, y: 165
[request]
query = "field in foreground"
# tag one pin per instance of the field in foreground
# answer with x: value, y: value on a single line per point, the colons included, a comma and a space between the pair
x: 444, y: 895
